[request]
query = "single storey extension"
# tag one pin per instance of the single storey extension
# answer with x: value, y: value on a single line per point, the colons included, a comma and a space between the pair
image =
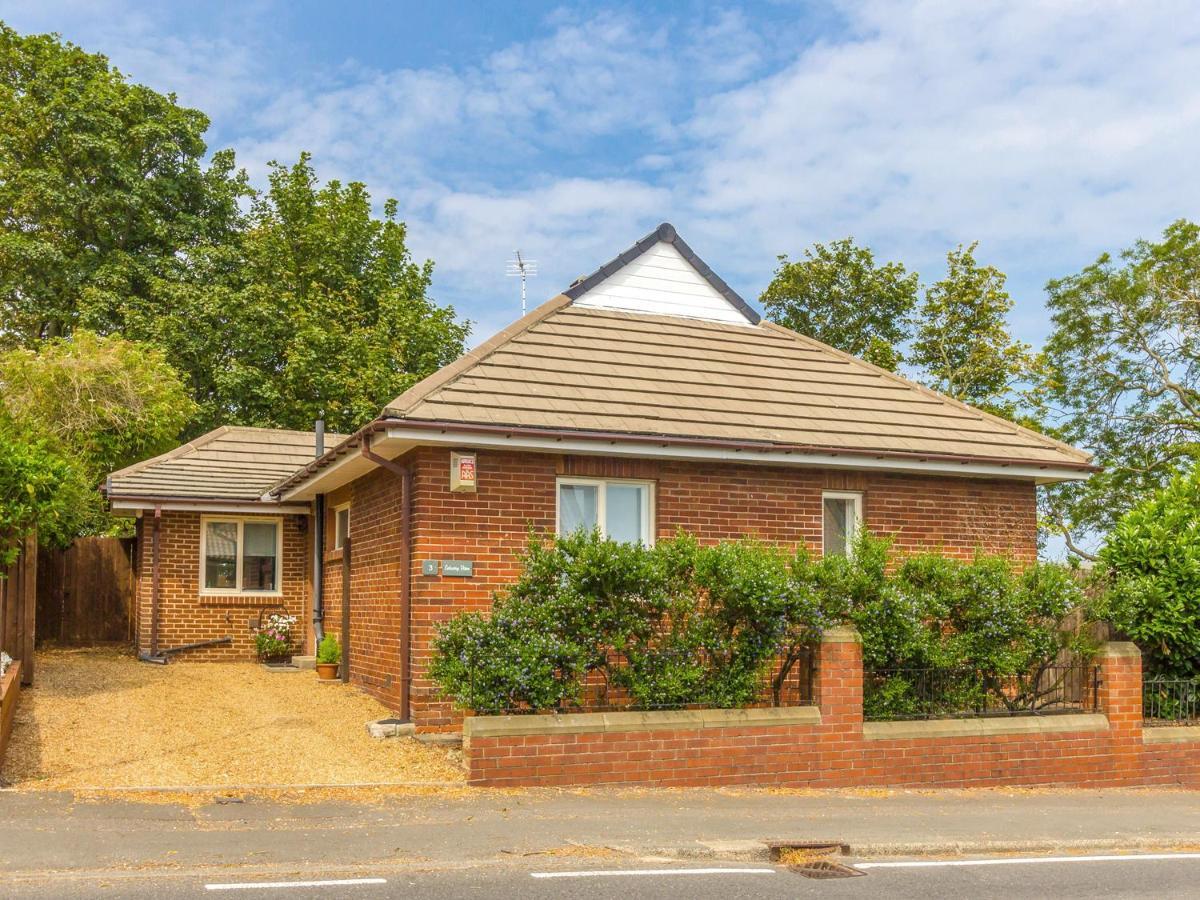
x: 646, y: 398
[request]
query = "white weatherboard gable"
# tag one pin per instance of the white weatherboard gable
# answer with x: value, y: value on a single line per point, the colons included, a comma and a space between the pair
x: 662, y: 283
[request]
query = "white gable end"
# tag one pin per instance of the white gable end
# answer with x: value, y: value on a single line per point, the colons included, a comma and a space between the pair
x: 661, y: 282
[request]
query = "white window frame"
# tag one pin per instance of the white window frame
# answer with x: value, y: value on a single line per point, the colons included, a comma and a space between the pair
x: 241, y: 522
x: 857, y: 507
x: 649, y: 513
x: 337, y: 511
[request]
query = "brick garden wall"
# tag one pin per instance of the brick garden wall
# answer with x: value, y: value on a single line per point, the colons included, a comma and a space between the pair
x: 185, y: 616
x: 706, y: 748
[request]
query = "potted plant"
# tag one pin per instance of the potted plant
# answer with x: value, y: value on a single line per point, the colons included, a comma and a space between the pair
x: 274, y: 639
x: 329, y: 654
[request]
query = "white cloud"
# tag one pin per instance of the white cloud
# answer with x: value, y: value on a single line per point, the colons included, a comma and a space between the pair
x: 1049, y: 131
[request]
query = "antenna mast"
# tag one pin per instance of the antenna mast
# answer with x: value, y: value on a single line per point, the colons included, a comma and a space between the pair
x: 522, y: 268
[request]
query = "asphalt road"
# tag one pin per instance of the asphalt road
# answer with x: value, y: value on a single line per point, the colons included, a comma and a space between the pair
x: 1133, y: 876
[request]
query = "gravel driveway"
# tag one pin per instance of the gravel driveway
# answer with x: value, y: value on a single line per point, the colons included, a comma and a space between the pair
x: 100, y: 718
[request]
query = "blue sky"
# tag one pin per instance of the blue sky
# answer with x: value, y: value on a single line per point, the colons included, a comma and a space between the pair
x: 1048, y: 132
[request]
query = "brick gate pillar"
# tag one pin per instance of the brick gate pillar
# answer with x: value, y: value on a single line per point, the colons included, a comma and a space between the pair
x: 1120, y: 699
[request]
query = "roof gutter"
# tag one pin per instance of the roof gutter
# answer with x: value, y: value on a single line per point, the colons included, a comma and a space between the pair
x: 665, y: 441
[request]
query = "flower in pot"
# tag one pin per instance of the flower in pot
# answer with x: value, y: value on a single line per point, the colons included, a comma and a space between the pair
x: 273, y: 641
x: 329, y: 654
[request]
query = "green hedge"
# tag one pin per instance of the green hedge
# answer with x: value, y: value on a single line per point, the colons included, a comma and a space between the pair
x: 681, y: 624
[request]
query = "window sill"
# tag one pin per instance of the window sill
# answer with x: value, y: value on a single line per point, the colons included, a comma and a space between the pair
x: 266, y: 598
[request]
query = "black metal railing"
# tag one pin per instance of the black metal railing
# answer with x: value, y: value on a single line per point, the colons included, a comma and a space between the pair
x: 777, y: 685
x: 890, y: 694
x: 1171, y: 701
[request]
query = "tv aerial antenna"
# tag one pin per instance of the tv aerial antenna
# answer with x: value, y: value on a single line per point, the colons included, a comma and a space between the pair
x: 524, y: 269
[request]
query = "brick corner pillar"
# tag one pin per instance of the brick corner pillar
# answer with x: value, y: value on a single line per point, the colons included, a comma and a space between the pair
x: 840, y: 679
x: 1120, y: 699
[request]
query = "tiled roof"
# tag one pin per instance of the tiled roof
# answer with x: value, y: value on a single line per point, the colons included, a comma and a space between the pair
x: 566, y: 367
x: 230, y: 463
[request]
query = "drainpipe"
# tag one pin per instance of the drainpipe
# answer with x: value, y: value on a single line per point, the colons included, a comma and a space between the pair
x: 318, y: 578
x: 155, y: 580
x: 406, y: 481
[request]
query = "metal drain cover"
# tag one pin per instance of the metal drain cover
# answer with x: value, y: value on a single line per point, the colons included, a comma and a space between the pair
x: 825, y: 868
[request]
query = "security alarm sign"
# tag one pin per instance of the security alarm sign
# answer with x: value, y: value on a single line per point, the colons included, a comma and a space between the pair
x: 463, y: 472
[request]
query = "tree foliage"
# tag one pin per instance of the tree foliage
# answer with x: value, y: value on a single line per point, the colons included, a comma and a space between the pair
x: 962, y: 343
x: 103, y: 191
x: 39, y: 489
x: 83, y: 406
x: 1124, y: 373
x: 1151, y: 563
x: 317, y: 308
x: 840, y: 296
x: 303, y: 302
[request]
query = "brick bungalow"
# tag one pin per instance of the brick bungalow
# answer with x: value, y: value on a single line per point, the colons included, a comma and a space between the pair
x: 646, y: 398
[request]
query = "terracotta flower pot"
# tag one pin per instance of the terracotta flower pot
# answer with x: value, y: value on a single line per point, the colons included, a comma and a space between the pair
x: 327, y: 671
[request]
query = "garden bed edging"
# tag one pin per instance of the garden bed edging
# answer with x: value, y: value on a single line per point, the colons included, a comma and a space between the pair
x: 10, y: 692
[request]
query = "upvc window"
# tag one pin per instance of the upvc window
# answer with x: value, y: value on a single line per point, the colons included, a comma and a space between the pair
x: 841, y: 513
x: 240, y: 556
x: 341, y: 526
x: 620, y: 510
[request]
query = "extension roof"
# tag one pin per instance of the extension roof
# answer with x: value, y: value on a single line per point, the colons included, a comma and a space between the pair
x: 231, y: 463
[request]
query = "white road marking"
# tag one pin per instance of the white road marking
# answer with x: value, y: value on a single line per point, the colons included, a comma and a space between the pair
x: 601, y: 873
x: 333, y: 882
x: 1020, y: 861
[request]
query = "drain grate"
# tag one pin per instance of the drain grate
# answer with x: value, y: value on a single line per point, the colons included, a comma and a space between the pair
x: 825, y: 868
x: 812, y: 859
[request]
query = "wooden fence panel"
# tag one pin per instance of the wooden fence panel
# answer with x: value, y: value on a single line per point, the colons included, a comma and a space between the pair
x: 85, y: 593
x: 18, y: 609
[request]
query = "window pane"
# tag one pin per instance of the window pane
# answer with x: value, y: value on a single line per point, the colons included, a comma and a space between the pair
x: 341, y: 528
x: 624, y: 505
x: 258, y: 560
x: 839, y: 521
x: 220, y: 555
x: 577, y: 507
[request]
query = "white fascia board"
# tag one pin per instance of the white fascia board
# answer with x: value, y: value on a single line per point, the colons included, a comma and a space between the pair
x: 1041, y: 474
x: 248, y: 507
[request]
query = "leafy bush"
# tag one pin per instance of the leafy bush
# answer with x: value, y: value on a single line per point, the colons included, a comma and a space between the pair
x: 329, y: 650
x: 981, y: 632
x: 1152, y: 564
x: 674, y: 624
x: 681, y: 624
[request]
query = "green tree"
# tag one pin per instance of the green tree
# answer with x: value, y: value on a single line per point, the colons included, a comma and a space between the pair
x: 1123, y: 374
x: 101, y: 403
x: 38, y: 489
x: 1152, y: 563
x: 319, y: 308
x: 838, y: 295
x: 962, y: 339
x: 103, y: 194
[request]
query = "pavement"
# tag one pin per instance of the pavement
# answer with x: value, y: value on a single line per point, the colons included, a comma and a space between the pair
x: 600, y: 843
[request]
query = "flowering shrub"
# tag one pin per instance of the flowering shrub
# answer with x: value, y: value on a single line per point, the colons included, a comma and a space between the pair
x: 5, y: 662
x: 275, y: 637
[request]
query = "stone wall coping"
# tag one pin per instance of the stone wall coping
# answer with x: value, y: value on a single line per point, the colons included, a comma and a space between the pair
x: 1171, y: 734
x: 843, y: 634
x: 1120, y: 649
x: 653, y: 720
x: 983, y: 727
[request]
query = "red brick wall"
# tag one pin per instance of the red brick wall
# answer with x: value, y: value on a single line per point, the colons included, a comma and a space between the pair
x: 835, y: 752
x: 185, y: 616
x: 517, y: 491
